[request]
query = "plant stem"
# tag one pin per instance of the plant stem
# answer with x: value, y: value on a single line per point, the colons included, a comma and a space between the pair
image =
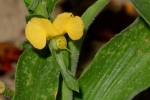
x: 66, y: 92
x: 69, y: 82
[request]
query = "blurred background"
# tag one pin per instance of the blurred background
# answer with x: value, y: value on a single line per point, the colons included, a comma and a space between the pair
x: 115, y: 17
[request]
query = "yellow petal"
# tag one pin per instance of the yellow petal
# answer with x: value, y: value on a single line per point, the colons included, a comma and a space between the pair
x: 35, y: 34
x: 74, y: 28
x: 2, y: 87
x: 49, y: 27
x: 61, y: 21
x: 46, y: 25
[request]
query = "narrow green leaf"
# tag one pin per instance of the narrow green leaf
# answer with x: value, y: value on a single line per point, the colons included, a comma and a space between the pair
x: 26, y: 45
x: 70, y: 81
x: 143, y: 7
x: 90, y: 14
x: 88, y: 17
x: 121, y: 68
x: 37, y: 76
x: 51, y: 5
x: 75, y: 46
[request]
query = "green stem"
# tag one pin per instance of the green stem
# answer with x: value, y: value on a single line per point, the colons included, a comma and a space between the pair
x: 69, y: 82
x: 74, y: 47
x: 67, y: 94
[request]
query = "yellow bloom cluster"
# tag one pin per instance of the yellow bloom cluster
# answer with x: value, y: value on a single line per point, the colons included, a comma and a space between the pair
x: 38, y: 30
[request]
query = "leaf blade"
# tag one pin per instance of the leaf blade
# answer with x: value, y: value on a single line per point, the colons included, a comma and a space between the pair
x: 36, y: 77
x: 142, y: 6
x: 120, y: 69
x: 90, y: 14
x: 88, y: 17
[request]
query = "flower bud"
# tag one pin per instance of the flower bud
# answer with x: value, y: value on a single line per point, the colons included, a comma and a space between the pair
x: 59, y: 42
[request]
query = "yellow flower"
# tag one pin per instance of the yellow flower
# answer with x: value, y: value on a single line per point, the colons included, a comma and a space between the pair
x: 2, y: 87
x: 38, y: 30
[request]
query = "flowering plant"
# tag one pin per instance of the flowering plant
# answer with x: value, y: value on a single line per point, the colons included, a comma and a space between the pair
x: 47, y: 68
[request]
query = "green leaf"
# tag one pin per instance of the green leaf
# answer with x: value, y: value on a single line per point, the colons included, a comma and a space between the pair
x: 26, y: 45
x: 143, y: 7
x: 37, y: 76
x: 88, y: 17
x: 28, y: 1
x: 51, y: 5
x: 33, y: 5
x: 90, y: 14
x: 29, y: 17
x: 41, y: 7
x: 120, y: 70
x: 75, y: 46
